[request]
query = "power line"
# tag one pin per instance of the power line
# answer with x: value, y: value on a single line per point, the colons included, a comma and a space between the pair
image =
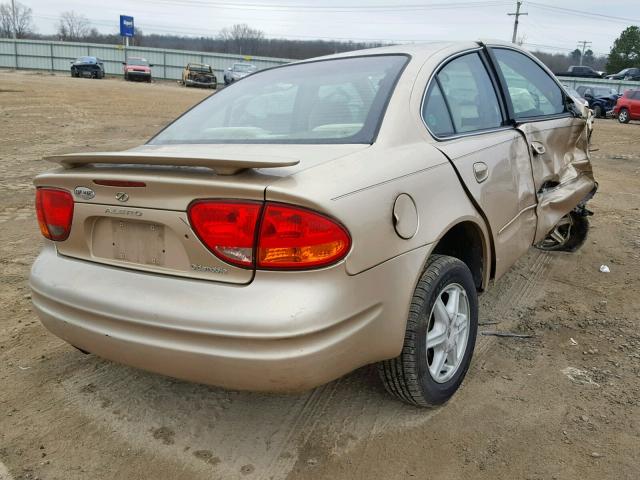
x: 515, y: 23
x: 326, y: 8
x: 581, y: 13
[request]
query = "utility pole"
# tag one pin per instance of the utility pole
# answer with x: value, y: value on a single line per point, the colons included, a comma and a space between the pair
x: 515, y: 23
x: 584, y: 44
x: 15, y: 24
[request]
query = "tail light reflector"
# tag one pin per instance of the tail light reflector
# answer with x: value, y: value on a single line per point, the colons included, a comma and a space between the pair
x: 289, y: 237
x: 297, y: 238
x: 227, y: 228
x: 54, y: 208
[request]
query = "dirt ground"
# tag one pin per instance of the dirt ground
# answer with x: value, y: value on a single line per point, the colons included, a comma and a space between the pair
x: 563, y: 404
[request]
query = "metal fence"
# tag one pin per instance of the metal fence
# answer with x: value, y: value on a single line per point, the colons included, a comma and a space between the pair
x: 619, y: 85
x: 167, y: 64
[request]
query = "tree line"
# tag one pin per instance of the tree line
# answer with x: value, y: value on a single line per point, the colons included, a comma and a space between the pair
x: 244, y: 40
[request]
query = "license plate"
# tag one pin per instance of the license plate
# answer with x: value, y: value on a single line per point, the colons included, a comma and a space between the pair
x: 138, y: 242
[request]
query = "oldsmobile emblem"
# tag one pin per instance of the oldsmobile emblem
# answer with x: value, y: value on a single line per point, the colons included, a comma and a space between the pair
x: 122, y: 197
x: 84, y: 193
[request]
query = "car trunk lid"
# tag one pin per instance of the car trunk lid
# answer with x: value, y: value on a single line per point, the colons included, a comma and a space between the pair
x: 130, y: 208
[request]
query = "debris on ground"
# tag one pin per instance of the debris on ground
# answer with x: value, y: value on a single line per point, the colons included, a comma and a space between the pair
x: 579, y: 377
x: 507, y: 334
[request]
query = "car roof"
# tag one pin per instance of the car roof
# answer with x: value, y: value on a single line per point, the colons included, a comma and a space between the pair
x: 420, y: 51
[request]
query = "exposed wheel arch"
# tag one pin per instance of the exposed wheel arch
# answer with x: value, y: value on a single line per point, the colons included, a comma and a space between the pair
x: 467, y: 242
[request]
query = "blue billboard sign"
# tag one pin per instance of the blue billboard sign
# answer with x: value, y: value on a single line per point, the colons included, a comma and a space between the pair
x: 126, y: 26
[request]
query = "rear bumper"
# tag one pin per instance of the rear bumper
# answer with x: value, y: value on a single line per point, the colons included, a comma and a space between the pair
x: 283, y: 332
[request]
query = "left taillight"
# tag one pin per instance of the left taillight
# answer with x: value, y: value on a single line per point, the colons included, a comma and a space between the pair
x: 268, y: 236
x: 54, y: 208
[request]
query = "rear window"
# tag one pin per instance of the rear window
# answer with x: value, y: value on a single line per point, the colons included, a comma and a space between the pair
x: 330, y: 101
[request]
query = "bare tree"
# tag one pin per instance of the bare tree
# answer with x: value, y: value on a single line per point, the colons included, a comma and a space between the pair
x: 73, y: 26
x: 241, y: 38
x: 22, y: 22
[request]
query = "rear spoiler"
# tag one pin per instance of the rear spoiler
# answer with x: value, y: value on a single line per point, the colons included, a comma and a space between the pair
x: 222, y: 164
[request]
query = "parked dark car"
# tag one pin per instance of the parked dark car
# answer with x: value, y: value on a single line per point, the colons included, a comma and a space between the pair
x: 626, y: 74
x: 90, y: 67
x: 579, y: 71
x: 601, y: 99
x: 199, y: 75
x: 628, y: 106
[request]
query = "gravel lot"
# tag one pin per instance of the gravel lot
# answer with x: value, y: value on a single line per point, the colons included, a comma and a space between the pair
x: 563, y: 404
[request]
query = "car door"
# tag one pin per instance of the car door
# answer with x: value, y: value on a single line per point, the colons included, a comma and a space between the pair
x: 558, y: 139
x: 463, y: 111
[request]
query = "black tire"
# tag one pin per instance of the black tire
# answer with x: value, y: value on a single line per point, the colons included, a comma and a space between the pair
x: 575, y: 234
x: 407, y: 376
x: 623, y: 115
x: 597, y: 111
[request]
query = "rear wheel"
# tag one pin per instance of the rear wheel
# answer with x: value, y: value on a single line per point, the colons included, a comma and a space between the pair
x: 439, y: 338
x: 623, y: 116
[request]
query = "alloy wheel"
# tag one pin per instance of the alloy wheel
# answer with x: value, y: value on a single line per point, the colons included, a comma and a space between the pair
x: 448, y: 332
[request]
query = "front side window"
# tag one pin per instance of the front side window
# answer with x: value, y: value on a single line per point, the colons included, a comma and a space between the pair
x: 463, y: 99
x: 532, y: 91
x: 332, y: 101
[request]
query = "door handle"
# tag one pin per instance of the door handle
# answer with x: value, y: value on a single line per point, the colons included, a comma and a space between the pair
x: 538, y: 148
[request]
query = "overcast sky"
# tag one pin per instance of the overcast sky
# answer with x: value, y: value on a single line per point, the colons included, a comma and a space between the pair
x: 546, y: 27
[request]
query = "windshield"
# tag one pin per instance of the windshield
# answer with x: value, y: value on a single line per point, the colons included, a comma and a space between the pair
x: 199, y: 68
x: 243, y: 67
x: 330, y: 101
x: 141, y: 62
x: 87, y: 60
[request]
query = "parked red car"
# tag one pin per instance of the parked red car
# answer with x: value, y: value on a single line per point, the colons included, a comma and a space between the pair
x: 137, y: 68
x: 628, y: 106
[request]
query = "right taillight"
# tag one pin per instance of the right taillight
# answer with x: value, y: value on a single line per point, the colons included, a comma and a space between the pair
x: 54, y: 209
x: 289, y: 237
x: 296, y: 238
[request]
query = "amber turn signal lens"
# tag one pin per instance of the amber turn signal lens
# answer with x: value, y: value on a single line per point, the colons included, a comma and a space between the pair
x: 296, y: 238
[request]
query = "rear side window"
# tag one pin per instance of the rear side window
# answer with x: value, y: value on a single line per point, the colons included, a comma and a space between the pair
x: 462, y: 99
x: 532, y: 91
x: 435, y: 113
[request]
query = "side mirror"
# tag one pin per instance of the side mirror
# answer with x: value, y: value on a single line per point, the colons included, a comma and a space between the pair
x: 151, y: 65
x: 71, y: 62
x: 124, y: 63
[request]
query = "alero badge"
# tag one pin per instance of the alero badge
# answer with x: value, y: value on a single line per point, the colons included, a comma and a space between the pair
x: 84, y: 193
